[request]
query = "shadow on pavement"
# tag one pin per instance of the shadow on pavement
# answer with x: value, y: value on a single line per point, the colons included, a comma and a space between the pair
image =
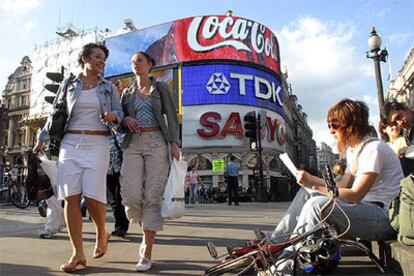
x: 10, y: 269
x: 220, y: 225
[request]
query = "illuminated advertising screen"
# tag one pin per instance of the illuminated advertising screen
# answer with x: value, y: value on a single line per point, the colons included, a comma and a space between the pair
x: 232, y: 85
x: 196, y: 39
x: 226, y: 37
x: 221, y: 125
x: 157, y: 41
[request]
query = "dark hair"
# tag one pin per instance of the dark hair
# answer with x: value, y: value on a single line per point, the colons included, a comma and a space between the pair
x: 86, y: 51
x: 382, y: 126
x: 352, y: 116
x: 232, y: 158
x: 372, y: 131
x: 147, y: 57
x: 338, y: 168
x: 392, y: 106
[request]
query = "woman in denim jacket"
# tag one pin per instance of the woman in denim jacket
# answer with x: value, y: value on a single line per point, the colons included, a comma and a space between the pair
x: 147, y: 139
x: 93, y: 107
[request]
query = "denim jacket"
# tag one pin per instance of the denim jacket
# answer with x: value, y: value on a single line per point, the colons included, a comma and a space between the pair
x: 163, y: 105
x: 107, y: 95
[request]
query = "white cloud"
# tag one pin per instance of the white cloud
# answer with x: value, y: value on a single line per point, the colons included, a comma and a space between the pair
x: 19, y: 7
x: 400, y: 39
x: 28, y: 26
x: 324, y: 67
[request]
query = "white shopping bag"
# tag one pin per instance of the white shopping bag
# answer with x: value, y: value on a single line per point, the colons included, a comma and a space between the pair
x: 173, y: 205
x: 50, y: 168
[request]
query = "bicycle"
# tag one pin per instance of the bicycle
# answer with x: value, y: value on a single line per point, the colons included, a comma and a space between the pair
x: 18, y: 194
x: 260, y: 256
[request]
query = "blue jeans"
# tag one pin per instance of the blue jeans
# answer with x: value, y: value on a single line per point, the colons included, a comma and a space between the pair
x: 368, y: 221
x: 193, y: 193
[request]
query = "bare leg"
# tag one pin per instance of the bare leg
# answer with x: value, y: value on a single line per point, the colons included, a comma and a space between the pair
x: 148, y: 239
x: 73, y: 219
x: 97, y: 211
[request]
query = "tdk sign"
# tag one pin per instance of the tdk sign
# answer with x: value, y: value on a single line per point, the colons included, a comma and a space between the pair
x: 231, y: 84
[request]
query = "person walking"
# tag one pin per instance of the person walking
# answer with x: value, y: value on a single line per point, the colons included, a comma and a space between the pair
x: 145, y: 151
x: 114, y: 188
x: 92, y: 107
x: 232, y: 175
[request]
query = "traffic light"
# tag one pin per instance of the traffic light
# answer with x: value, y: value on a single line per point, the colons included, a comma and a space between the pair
x: 53, y: 87
x: 56, y: 78
x: 250, y: 128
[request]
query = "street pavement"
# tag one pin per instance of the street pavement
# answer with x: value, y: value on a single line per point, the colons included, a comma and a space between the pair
x: 180, y: 248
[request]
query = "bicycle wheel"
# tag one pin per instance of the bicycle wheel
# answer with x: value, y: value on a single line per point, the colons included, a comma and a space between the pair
x: 234, y: 266
x: 18, y: 195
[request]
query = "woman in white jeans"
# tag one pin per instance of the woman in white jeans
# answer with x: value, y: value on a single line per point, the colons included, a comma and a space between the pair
x: 92, y: 107
x: 371, y: 181
x: 145, y: 166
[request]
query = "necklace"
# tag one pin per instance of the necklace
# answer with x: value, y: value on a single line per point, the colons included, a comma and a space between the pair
x: 89, y: 84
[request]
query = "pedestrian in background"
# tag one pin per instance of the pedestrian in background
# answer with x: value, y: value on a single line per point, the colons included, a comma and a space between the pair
x: 232, y: 175
x: 93, y: 107
x: 194, y: 179
x: 145, y: 147
x: 338, y: 170
x: 114, y: 188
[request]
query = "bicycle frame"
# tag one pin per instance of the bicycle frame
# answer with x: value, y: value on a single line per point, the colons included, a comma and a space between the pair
x: 261, y: 254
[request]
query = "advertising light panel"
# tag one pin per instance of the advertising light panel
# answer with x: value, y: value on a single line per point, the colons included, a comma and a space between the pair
x: 232, y: 85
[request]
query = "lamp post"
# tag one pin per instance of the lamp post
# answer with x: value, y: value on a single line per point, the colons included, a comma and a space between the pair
x: 377, y: 55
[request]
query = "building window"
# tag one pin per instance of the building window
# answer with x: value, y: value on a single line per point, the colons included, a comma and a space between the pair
x: 201, y: 163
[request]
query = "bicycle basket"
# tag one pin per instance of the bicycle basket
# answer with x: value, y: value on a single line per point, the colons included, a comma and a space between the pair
x: 319, y: 257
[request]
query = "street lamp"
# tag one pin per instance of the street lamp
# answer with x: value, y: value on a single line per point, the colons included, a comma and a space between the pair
x: 374, y: 45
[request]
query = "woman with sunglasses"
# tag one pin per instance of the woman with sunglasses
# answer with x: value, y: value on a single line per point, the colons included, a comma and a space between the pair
x: 145, y: 165
x: 371, y: 180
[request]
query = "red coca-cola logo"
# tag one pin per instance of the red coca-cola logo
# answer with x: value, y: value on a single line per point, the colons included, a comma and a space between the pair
x: 226, y: 37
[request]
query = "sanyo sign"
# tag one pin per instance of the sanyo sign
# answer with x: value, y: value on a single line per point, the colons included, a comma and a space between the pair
x: 231, y: 84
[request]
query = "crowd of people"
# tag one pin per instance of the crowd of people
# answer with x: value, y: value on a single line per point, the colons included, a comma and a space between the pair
x: 137, y: 133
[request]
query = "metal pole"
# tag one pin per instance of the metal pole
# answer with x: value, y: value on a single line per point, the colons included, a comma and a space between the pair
x: 263, y: 190
x: 380, y: 89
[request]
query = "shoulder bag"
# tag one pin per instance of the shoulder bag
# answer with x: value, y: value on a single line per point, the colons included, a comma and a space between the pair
x: 59, y: 116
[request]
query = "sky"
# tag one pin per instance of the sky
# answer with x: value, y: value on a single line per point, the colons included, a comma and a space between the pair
x: 322, y: 44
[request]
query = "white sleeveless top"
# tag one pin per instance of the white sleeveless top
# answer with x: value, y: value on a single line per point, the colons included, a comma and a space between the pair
x: 86, y: 113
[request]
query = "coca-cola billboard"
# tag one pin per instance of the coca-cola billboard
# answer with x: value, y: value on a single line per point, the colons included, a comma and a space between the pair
x: 196, y: 39
x: 226, y: 37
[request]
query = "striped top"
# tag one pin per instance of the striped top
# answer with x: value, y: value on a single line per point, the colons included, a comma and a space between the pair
x: 145, y: 114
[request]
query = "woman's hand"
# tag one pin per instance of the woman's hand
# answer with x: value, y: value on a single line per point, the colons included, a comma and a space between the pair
x: 304, y: 178
x: 132, y: 124
x: 108, y: 118
x: 175, y: 151
x: 38, y: 147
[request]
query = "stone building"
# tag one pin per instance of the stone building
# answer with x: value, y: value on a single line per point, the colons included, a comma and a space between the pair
x: 325, y: 156
x: 17, y: 138
x: 402, y: 87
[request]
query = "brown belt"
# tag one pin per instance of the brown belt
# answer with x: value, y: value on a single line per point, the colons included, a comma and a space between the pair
x: 149, y: 129
x: 89, y: 132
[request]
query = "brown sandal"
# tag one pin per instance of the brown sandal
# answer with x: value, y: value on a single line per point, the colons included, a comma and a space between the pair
x: 99, y: 252
x: 72, y: 266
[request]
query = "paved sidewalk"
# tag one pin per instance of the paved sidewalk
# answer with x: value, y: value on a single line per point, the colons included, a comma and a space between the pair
x: 180, y: 249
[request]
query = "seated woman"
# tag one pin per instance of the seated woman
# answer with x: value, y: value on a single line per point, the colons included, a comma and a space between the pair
x: 371, y: 180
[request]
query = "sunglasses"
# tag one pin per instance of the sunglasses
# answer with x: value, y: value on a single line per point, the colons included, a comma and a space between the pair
x: 334, y: 125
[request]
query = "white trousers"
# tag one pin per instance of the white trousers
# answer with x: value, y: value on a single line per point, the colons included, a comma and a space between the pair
x: 82, y: 167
